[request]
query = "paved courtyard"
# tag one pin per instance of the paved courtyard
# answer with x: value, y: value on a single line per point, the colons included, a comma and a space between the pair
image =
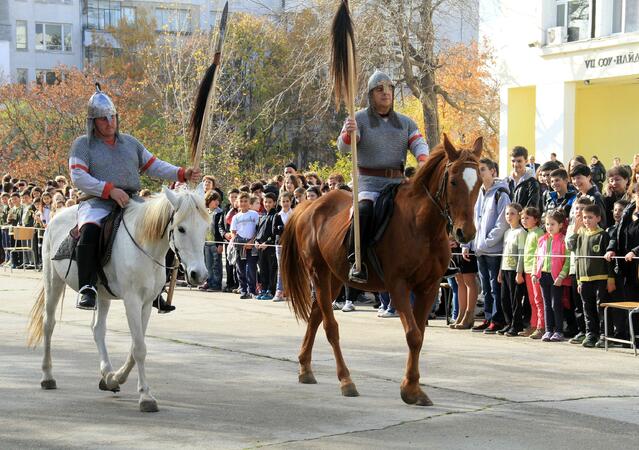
x: 224, y: 373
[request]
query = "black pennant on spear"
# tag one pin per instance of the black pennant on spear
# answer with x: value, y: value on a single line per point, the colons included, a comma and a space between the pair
x: 205, y: 99
x: 204, y: 104
x: 344, y: 77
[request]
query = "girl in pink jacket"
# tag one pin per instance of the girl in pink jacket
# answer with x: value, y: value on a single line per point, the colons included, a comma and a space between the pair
x: 551, y: 271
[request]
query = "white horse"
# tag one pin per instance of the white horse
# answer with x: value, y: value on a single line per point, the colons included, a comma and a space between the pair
x: 136, y: 275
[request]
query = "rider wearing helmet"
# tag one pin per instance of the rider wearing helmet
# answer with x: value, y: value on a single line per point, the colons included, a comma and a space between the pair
x: 106, y: 165
x: 383, y: 138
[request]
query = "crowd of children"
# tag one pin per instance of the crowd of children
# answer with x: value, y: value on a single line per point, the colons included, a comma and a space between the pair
x: 248, y: 230
x: 547, y: 283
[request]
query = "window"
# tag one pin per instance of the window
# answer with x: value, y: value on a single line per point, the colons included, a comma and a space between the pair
x: 128, y: 14
x: 173, y: 20
x: 21, y: 35
x: 575, y: 16
x: 53, y: 37
x: 22, y: 76
x: 103, y: 14
x: 46, y: 76
x: 625, y: 16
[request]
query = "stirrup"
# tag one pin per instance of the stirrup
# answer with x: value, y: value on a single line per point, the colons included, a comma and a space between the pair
x: 89, y: 303
x: 358, y: 277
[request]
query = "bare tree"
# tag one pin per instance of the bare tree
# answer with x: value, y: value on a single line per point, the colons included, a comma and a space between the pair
x: 415, y: 40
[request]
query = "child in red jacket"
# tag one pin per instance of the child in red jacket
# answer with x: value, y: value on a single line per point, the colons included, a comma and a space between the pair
x: 551, y: 271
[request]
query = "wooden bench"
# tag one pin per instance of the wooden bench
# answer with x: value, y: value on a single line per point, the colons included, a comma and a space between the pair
x: 632, y: 308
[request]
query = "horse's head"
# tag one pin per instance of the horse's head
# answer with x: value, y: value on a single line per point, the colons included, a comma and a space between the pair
x: 187, y: 233
x: 462, y: 187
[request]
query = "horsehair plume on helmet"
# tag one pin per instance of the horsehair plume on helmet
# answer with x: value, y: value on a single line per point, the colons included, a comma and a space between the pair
x: 100, y: 105
x: 379, y: 78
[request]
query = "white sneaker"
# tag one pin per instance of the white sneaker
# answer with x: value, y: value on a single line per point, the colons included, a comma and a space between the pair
x: 337, y: 305
x: 388, y: 314
x: 380, y: 311
x: 348, y: 306
x: 279, y: 296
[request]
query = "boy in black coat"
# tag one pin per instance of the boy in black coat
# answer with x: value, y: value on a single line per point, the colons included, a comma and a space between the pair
x: 265, y: 240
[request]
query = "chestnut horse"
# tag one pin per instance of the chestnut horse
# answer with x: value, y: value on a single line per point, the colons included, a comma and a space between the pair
x: 414, y: 254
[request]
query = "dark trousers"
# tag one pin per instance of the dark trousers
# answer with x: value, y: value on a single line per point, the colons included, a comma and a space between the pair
x: 247, y: 271
x: 513, y: 296
x: 268, y: 269
x: 6, y: 242
x: 16, y: 257
x: 575, y: 315
x: 213, y: 261
x: 35, y: 245
x: 488, y: 270
x: 591, y: 292
x: 553, y: 307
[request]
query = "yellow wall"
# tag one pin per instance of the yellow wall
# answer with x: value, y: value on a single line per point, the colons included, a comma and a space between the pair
x: 521, y: 118
x: 606, y: 122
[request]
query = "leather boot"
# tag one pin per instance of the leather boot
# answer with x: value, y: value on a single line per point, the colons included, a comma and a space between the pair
x: 87, y: 261
x: 162, y: 306
x: 365, y: 219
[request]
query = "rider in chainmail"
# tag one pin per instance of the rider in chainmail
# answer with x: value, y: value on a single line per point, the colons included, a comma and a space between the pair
x: 106, y: 165
x: 383, y: 137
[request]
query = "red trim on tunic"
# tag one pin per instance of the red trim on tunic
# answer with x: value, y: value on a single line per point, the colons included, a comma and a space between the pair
x: 148, y: 164
x: 80, y: 166
x: 108, y: 187
x: 411, y: 140
x: 346, y: 138
x: 180, y: 175
x: 422, y: 157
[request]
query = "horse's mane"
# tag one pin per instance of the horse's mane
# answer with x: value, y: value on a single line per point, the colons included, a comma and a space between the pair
x: 429, y: 170
x: 157, y: 213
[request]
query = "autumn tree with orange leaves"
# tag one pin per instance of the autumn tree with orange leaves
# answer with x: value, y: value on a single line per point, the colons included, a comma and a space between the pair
x: 274, y: 99
x: 38, y: 124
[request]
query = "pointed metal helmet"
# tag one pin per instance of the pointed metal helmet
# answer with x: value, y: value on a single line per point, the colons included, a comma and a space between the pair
x: 100, y: 105
x: 379, y: 78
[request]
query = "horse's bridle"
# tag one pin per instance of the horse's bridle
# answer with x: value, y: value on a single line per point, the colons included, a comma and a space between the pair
x: 439, y: 195
x: 172, y: 245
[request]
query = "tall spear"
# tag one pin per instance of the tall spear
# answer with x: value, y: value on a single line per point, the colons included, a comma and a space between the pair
x: 343, y: 75
x: 204, y: 104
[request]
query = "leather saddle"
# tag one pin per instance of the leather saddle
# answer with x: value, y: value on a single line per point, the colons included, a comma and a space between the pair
x: 382, y: 214
x: 108, y: 231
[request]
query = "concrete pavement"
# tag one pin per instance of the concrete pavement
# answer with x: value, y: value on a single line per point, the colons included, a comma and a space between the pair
x: 224, y: 373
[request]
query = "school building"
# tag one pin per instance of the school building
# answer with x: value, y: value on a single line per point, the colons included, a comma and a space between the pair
x: 569, y: 76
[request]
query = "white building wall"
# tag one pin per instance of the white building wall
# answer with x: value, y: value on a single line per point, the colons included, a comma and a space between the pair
x: 516, y: 30
x: 50, y: 11
x: 5, y: 61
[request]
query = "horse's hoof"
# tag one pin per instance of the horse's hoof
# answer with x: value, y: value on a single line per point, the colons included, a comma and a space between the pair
x: 148, y: 405
x: 48, y: 384
x: 349, y: 390
x: 103, y: 387
x: 419, y: 399
x: 307, y: 378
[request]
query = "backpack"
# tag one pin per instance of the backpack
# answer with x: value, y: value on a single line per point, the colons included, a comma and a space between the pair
x: 501, y: 190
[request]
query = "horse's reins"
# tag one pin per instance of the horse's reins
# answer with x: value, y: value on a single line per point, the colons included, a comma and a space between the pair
x: 171, y: 243
x: 443, y: 210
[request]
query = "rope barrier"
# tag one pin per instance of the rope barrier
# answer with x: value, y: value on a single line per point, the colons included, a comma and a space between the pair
x: 452, y: 254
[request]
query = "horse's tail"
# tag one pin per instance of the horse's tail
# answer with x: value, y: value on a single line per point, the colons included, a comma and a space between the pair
x: 295, y: 275
x: 36, y: 321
